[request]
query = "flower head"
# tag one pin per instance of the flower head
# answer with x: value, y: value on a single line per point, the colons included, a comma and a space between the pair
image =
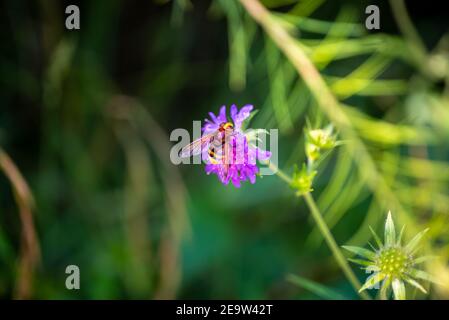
x: 241, y: 153
x: 322, y: 138
x: 318, y: 140
x: 392, y: 263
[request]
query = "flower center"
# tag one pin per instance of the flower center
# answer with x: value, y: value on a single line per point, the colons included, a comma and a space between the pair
x: 392, y: 261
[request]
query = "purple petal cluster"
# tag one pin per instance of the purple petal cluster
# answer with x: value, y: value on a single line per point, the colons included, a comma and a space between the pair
x: 243, y: 165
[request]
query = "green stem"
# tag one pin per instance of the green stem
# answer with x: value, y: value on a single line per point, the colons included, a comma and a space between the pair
x: 406, y: 26
x: 338, y: 255
x: 280, y: 173
x: 416, y: 45
x: 326, y: 233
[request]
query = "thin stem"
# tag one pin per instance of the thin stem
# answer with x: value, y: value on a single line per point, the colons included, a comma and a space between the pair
x: 327, y: 234
x: 338, y: 255
x: 30, y: 250
x: 280, y: 173
x: 416, y: 45
x: 405, y: 24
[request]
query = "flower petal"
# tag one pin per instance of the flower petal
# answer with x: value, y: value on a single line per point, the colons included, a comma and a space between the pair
x: 365, y: 253
x: 399, y: 239
x: 262, y: 154
x: 390, y: 232
x: 384, y: 289
x: 233, y: 111
x: 222, y: 116
x: 415, y: 273
x: 423, y: 259
x: 361, y: 262
x: 376, y: 238
x: 213, y: 117
x: 236, y: 182
x: 241, y: 115
x: 209, y: 128
x: 372, y: 268
x: 372, y: 281
x: 250, y: 173
x: 415, y: 284
x: 412, y: 245
x: 398, y: 289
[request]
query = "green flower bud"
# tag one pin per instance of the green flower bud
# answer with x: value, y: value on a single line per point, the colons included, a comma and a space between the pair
x: 302, y: 180
x: 312, y: 152
x: 322, y: 138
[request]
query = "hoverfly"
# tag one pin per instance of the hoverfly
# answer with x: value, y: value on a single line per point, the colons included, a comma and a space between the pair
x: 216, y: 142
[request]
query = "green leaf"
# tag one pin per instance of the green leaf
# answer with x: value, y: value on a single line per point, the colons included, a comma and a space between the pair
x: 411, y: 246
x: 372, y: 281
x: 361, y: 252
x: 390, y: 233
x: 278, y: 91
x: 376, y: 238
x: 361, y: 262
x: 316, y: 288
x: 398, y: 289
x: 415, y: 284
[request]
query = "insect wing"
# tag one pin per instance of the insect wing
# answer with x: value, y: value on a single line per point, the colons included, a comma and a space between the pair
x: 196, y: 146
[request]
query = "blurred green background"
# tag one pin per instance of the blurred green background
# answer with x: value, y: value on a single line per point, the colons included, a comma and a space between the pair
x: 85, y: 116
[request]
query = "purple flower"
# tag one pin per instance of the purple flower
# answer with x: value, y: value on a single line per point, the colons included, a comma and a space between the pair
x: 242, y: 157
